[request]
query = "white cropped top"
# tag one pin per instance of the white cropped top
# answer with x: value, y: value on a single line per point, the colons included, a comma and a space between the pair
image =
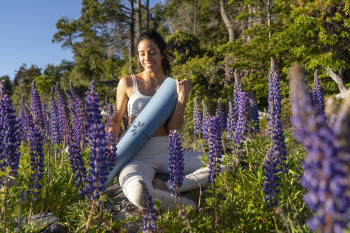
x: 137, y: 101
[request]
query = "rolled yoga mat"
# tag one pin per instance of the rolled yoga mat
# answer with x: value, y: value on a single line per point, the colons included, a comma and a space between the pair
x: 151, y: 118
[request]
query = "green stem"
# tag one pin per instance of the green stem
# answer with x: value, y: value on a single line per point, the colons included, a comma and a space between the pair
x: 4, y: 203
x: 90, y: 216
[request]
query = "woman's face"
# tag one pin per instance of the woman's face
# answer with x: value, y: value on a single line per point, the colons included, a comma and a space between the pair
x: 149, y: 55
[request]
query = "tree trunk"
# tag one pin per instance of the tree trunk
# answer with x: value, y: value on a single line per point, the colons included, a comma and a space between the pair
x: 147, y: 15
x: 226, y: 21
x: 138, y: 18
x: 269, y: 17
x: 338, y: 79
x: 195, y: 18
x: 131, y: 36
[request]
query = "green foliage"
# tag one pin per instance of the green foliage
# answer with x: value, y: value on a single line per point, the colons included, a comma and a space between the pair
x: 7, y: 84
x: 182, y: 46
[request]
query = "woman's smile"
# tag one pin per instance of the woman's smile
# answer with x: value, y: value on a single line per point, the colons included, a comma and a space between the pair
x: 149, y: 55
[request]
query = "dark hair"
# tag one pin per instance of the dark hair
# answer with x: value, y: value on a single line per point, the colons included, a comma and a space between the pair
x: 158, y: 39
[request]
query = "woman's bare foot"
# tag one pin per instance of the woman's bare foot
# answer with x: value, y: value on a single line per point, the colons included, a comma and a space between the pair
x: 159, y: 184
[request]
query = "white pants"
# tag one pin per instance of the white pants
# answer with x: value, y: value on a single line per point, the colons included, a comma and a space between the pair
x: 154, y: 158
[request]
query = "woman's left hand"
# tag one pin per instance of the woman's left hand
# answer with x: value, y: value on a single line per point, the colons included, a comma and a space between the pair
x: 183, y: 90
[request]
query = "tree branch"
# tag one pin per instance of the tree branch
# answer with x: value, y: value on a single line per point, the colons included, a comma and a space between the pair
x: 338, y: 79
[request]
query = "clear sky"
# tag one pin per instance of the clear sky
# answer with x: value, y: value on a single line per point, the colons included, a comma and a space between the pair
x: 26, y: 31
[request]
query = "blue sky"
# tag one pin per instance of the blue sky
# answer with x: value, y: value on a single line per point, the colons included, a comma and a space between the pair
x: 27, y: 28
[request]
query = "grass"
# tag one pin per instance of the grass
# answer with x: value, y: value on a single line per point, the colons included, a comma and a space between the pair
x: 235, y: 204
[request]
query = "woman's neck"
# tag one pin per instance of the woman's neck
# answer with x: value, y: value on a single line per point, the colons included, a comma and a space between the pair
x: 159, y: 76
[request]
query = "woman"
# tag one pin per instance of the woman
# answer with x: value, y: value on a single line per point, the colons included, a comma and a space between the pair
x: 133, y: 93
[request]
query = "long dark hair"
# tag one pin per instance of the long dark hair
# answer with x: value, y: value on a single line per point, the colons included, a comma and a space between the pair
x: 158, y: 39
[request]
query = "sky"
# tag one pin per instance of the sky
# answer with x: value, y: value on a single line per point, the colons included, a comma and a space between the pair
x: 27, y: 29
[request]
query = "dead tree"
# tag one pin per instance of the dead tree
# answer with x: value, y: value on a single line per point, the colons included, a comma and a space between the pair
x: 131, y: 36
x: 226, y: 20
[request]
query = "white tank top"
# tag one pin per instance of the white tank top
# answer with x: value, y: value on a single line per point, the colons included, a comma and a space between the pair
x: 137, y: 101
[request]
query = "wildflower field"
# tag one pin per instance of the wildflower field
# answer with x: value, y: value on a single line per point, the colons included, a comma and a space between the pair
x: 281, y: 178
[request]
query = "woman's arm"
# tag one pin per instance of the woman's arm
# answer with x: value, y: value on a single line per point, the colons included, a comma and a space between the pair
x: 183, y: 91
x: 120, y: 106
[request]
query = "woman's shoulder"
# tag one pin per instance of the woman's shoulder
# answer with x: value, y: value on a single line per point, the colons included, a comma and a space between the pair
x: 125, y: 81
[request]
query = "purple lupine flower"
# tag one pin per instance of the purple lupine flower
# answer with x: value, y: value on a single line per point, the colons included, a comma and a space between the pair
x: 36, y: 160
x: 46, y: 121
x: 10, y: 134
x: 237, y: 89
x: 149, y: 217
x: 25, y: 116
x: 275, y: 158
x: 205, y: 120
x: 325, y: 168
x: 274, y: 118
x: 111, y: 140
x: 37, y: 108
x: 229, y: 121
x: 80, y: 114
x: 63, y: 119
x: 111, y: 150
x: 54, y: 126
x: 227, y: 109
x: 271, y: 169
x: 241, y: 127
x: 215, y: 149
x: 125, y: 123
x: 253, y: 114
x: 220, y: 115
x: 98, y: 145
x: 74, y: 149
x: 317, y: 95
x: 197, y: 117
x: 93, y: 113
x: 176, y: 163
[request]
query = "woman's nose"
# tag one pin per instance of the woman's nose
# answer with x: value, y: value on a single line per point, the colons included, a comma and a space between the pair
x: 147, y: 56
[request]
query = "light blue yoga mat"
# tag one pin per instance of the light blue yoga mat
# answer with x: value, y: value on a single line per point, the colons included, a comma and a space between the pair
x: 151, y: 118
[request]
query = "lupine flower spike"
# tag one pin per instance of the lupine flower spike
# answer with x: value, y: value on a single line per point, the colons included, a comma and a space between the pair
x: 63, y: 119
x: 80, y: 114
x: 98, y: 145
x: 274, y: 117
x: 10, y: 138
x: 237, y: 89
x: 220, y: 114
x: 205, y: 121
x: 253, y: 114
x: 149, y: 217
x: 36, y: 146
x: 111, y: 140
x: 197, y: 117
x: 176, y: 163
x: 326, y: 166
x: 241, y: 127
x: 25, y: 117
x: 317, y: 95
x: 74, y: 149
x: 215, y: 149
x: 54, y: 126
x: 275, y: 158
x: 37, y: 108
x: 229, y: 121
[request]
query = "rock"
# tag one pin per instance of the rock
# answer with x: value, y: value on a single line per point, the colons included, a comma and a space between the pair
x: 46, y: 222
x: 120, y: 207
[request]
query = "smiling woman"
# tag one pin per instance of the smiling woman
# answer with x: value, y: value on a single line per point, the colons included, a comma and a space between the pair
x: 133, y: 93
x: 157, y: 49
